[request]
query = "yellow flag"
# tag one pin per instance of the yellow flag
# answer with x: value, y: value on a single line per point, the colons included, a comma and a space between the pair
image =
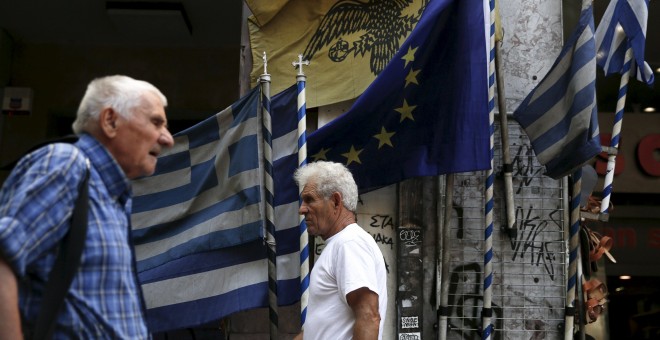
x: 264, y: 10
x: 347, y: 43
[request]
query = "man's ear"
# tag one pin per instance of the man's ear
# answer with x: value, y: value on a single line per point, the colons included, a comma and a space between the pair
x: 336, y: 199
x: 108, y: 122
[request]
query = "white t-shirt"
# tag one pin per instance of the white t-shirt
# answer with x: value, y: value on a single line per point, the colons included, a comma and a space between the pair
x: 350, y: 260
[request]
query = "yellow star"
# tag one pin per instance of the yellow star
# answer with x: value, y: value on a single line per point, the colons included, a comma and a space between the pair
x: 412, y: 77
x: 406, y: 111
x: 353, y: 156
x: 384, y: 137
x: 321, y: 155
x: 410, y: 56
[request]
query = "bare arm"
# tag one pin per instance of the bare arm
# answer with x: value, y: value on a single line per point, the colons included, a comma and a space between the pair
x: 10, y: 321
x: 299, y: 336
x: 364, y: 303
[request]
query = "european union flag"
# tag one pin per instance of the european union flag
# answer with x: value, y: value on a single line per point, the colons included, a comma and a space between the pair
x: 560, y: 115
x: 623, y: 26
x: 427, y: 112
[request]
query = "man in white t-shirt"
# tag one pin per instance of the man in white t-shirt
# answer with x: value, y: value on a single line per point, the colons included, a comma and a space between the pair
x: 348, y: 286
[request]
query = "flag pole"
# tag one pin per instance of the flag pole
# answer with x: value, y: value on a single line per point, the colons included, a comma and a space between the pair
x: 616, y: 131
x: 487, y: 311
x: 301, y: 80
x: 444, y: 310
x: 269, y: 212
x: 573, y: 245
x: 579, y: 300
x: 507, y: 166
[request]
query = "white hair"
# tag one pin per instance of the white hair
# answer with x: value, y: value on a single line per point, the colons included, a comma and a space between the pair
x: 121, y: 93
x: 329, y: 177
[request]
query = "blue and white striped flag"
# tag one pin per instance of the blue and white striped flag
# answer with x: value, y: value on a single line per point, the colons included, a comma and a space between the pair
x: 198, y: 226
x: 560, y: 115
x: 623, y: 26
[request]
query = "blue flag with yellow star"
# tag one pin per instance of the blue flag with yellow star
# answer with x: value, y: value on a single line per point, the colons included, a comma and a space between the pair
x: 427, y: 112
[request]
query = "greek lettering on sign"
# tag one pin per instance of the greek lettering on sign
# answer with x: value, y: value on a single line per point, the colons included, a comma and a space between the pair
x: 410, y: 336
x: 409, y: 322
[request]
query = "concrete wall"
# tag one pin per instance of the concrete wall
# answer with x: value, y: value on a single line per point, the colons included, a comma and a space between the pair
x: 6, y: 49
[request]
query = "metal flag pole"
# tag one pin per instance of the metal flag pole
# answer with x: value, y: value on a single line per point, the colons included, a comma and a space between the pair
x: 269, y: 211
x: 616, y: 131
x: 507, y: 166
x: 580, y: 296
x: 443, y: 310
x: 487, y: 311
x: 573, y: 246
x: 302, y: 160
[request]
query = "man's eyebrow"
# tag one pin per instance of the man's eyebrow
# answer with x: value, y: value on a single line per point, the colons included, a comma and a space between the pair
x: 159, y: 119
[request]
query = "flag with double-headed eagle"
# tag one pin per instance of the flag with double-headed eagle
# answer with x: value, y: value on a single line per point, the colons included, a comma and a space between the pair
x: 427, y: 111
x: 347, y: 42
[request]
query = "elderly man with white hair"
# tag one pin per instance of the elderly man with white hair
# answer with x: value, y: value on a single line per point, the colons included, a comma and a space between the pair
x: 122, y: 128
x: 348, y: 285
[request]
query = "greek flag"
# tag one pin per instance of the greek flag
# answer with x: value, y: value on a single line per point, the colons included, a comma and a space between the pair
x: 560, y: 114
x: 624, y: 26
x: 198, y: 226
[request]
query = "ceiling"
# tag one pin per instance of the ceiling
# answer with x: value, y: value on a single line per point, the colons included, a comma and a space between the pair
x: 184, y: 23
x: 203, y: 23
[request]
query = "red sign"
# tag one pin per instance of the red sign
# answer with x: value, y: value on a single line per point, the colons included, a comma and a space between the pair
x: 637, y: 162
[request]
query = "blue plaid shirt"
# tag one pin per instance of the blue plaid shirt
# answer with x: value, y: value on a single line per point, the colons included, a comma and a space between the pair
x: 36, y: 204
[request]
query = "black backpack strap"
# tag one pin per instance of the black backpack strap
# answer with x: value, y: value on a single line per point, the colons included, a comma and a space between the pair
x: 66, y: 265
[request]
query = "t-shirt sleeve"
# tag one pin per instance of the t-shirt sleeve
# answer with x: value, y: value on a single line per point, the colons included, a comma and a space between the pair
x: 36, y: 203
x: 356, y: 268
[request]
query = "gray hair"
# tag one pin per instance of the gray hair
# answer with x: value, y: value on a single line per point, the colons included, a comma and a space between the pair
x: 329, y: 177
x: 121, y: 93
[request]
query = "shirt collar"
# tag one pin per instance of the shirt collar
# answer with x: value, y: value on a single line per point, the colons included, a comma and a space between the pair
x: 116, y: 182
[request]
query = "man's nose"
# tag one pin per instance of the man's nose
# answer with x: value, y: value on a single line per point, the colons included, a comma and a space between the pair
x: 166, y: 138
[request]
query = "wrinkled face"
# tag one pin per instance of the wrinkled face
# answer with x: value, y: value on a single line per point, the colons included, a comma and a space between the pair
x: 141, y: 138
x: 318, y: 212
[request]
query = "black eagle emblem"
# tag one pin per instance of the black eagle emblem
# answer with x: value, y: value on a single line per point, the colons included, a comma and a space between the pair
x: 382, y: 21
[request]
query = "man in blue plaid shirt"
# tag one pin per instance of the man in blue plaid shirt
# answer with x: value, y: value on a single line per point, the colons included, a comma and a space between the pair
x: 122, y: 128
